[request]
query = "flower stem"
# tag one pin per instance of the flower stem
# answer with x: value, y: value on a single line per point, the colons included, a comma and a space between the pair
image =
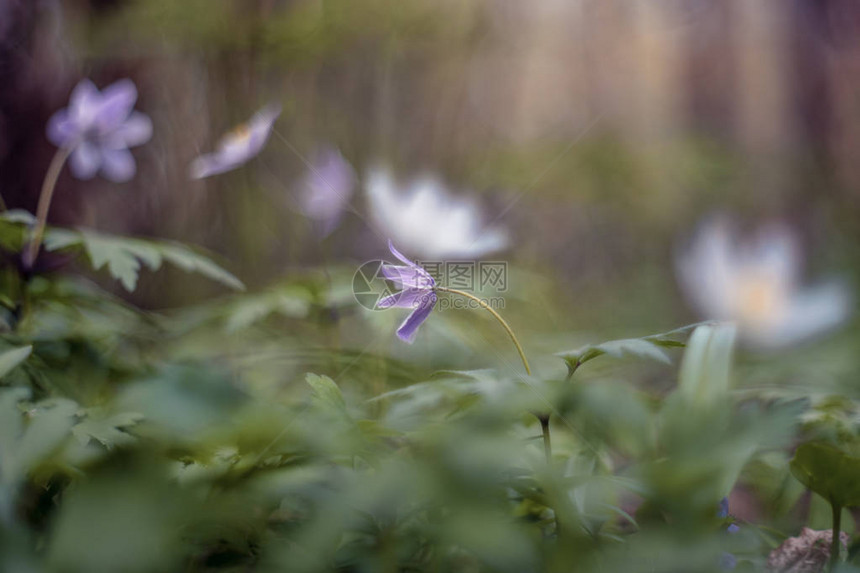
x: 497, y: 316
x: 542, y: 418
x: 836, y: 542
x: 48, y: 186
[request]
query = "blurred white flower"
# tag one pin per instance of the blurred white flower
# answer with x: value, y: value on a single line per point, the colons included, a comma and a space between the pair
x: 756, y: 285
x: 427, y: 221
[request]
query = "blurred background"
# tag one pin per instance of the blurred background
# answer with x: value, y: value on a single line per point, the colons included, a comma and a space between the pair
x: 599, y: 131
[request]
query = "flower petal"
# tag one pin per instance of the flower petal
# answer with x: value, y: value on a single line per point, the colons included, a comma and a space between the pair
x: 416, y: 318
x: 400, y: 256
x: 408, y: 277
x: 812, y: 312
x: 62, y: 130
x: 210, y: 164
x: 136, y: 130
x: 261, y: 126
x: 118, y: 165
x: 84, y: 103
x: 408, y: 298
x: 327, y: 188
x: 707, y: 271
x: 117, y: 101
x: 85, y: 161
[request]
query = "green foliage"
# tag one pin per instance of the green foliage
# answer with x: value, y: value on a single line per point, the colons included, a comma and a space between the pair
x: 123, y: 257
x: 829, y: 472
x: 648, y: 347
x: 10, y: 359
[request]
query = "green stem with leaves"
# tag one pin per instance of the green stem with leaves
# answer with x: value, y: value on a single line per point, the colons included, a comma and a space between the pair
x: 48, y: 186
x: 544, y: 419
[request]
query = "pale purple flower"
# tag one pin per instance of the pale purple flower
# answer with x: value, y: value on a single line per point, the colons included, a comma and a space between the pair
x: 327, y: 189
x: 756, y: 285
x: 417, y: 292
x: 239, y: 146
x: 99, y: 127
x: 430, y: 222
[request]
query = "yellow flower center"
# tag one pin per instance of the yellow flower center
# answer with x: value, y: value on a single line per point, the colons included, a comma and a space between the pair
x: 240, y: 133
x: 760, y: 299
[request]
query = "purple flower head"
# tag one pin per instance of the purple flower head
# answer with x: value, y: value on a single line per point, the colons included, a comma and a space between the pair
x: 239, y: 146
x: 327, y: 189
x: 723, y: 512
x: 99, y: 127
x: 417, y: 292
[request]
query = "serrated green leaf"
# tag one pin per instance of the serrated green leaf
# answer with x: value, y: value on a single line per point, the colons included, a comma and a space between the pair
x: 650, y: 347
x: 123, y: 256
x: 829, y: 472
x: 190, y: 261
x: 10, y: 359
x: 107, y: 430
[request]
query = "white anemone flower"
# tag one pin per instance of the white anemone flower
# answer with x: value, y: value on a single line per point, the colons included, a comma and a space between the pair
x: 429, y: 222
x: 755, y: 284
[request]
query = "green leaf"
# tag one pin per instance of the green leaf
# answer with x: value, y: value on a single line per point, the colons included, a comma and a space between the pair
x: 290, y: 301
x: 829, y: 472
x: 18, y: 216
x: 705, y: 369
x: 10, y: 359
x: 326, y: 393
x: 28, y: 437
x: 107, y: 430
x: 189, y: 261
x: 124, y: 256
x: 650, y: 347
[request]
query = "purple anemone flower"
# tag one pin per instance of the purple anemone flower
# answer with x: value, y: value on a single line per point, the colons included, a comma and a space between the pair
x: 417, y: 292
x: 327, y: 189
x: 98, y: 128
x: 239, y: 146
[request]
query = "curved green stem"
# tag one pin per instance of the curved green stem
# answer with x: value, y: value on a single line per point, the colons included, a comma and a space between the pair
x: 542, y: 418
x: 497, y: 316
x: 48, y: 186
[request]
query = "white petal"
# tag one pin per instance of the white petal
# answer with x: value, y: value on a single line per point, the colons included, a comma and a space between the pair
x: 776, y: 252
x: 707, y: 271
x: 812, y: 313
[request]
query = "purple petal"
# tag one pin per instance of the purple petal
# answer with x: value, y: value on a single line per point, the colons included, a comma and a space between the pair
x: 62, y: 129
x: 409, y: 298
x: 118, y: 165
x: 723, y: 512
x: 84, y: 103
x: 136, y: 130
x: 210, y: 164
x: 327, y: 188
x: 399, y: 255
x: 260, y: 128
x: 408, y: 277
x: 409, y: 328
x: 85, y: 161
x: 117, y: 101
